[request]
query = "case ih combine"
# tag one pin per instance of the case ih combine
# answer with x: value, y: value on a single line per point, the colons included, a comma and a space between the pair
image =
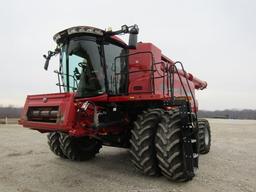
x: 120, y: 95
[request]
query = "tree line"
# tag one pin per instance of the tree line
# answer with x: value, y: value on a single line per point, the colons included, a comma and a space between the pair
x: 10, y: 112
x: 14, y: 112
x: 229, y: 114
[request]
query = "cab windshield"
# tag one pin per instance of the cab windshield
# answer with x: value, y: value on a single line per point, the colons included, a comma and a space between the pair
x: 81, y: 67
x: 88, y: 65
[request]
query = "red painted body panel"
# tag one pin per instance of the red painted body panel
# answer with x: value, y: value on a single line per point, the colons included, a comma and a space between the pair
x: 147, y: 82
x: 65, y: 102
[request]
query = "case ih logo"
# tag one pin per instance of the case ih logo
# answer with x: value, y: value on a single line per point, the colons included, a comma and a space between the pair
x: 45, y: 99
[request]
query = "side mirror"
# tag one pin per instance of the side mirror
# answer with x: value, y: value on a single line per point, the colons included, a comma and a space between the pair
x: 47, y: 60
x: 48, y: 57
x: 46, y: 64
x: 133, y: 38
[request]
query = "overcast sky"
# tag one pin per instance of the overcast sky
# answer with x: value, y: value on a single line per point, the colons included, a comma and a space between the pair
x: 215, y: 39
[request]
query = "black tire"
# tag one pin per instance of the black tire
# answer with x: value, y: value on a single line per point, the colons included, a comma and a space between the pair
x: 79, y: 148
x: 204, y: 135
x: 169, y: 147
x: 54, y: 144
x: 142, y: 148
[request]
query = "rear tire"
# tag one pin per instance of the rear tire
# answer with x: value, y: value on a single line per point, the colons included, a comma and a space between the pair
x: 204, y: 135
x: 79, y: 148
x: 142, y: 149
x: 169, y: 147
x: 54, y: 144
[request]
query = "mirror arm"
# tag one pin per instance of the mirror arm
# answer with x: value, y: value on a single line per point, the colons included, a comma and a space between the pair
x: 134, y: 29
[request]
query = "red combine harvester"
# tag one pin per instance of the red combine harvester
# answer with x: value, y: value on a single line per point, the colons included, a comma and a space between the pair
x: 120, y: 95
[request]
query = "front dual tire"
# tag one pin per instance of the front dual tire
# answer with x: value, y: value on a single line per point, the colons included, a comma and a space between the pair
x: 54, y: 144
x: 168, y: 144
x: 156, y: 146
x: 73, y: 148
x: 142, y: 149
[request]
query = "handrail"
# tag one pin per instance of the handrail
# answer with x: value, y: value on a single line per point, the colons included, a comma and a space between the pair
x: 60, y: 74
x: 150, y: 70
x: 169, y: 69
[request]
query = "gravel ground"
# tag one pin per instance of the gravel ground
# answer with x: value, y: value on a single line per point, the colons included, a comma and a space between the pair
x: 27, y: 165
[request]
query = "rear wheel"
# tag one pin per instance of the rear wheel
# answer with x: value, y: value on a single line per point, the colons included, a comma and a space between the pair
x: 79, y: 148
x: 142, y: 149
x: 204, y: 135
x: 169, y: 147
x: 54, y: 144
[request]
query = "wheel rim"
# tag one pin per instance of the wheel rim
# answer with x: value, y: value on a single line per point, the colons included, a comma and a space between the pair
x: 206, y: 136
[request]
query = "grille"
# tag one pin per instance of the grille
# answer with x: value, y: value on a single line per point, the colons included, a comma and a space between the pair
x: 43, y: 114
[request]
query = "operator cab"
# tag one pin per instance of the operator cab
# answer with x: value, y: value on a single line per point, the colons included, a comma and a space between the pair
x: 92, y: 61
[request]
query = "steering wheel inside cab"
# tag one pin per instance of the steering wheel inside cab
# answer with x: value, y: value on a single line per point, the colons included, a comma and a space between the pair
x: 82, y: 64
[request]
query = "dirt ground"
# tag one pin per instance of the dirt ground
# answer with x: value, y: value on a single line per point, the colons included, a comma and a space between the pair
x: 27, y: 165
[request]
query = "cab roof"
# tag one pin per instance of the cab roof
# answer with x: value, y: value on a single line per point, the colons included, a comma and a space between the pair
x: 87, y: 30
